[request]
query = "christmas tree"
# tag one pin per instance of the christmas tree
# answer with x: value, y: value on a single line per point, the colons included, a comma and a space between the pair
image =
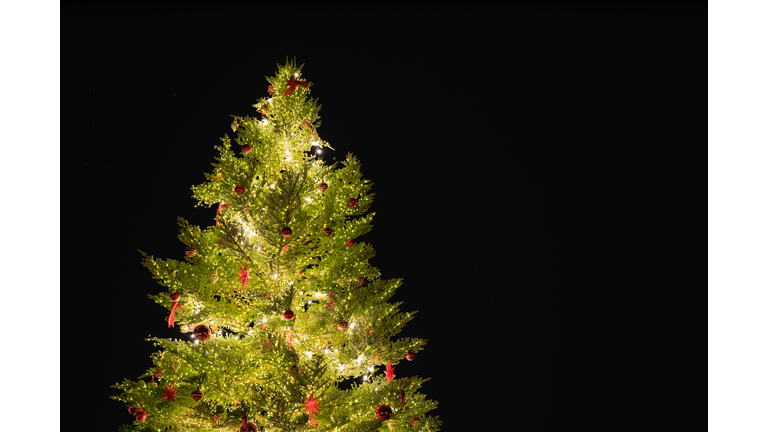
x: 282, y: 307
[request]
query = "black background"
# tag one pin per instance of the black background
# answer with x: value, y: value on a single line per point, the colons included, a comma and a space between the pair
x: 516, y: 156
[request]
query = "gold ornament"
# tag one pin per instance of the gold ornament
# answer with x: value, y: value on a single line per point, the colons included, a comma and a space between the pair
x: 342, y: 325
x: 391, y: 424
x: 375, y: 359
x: 214, y: 276
x: 322, y: 187
x: 176, y: 364
x: 315, y: 136
x: 218, y: 177
x: 234, y: 125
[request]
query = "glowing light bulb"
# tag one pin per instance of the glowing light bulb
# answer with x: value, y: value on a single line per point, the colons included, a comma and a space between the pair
x: 264, y: 122
x: 319, y: 151
x: 365, y: 377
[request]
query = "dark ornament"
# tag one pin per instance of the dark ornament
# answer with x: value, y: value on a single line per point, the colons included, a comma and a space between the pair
x: 202, y: 333
x: 383, y: 412
x: 197, y: 394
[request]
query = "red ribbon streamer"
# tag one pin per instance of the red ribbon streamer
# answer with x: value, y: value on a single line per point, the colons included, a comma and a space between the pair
x: 292, y: 83
x: 172, y: 316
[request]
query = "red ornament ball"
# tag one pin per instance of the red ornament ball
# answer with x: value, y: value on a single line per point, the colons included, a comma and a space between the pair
x: 410, y: 355
x: 159, y: 373
x: 202, y: 333
x: 350, y: 243
x: 239, y: 190
x: 342, y: 325
x: 141, y: 415
x: 328, y: 231
x: 322, y: 186
x: 414, y: 419
x: 288, y: 315
x: 246, y: 149
x: 352, y: 202
x: 363, y: 281
x: 286, y: 232
x: 175, y: 296
x: 301, y: 273
x: 197, y: 394
x: 248, y: 427
x: 132, y: 410
x: 383, y: 412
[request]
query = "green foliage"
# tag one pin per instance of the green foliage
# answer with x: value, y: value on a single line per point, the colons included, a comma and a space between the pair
x: 257, y: 363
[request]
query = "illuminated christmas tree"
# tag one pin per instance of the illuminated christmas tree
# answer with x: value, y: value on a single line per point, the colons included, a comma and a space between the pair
x: 279, y: 301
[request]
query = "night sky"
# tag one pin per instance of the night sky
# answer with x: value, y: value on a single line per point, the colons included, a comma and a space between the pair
x: 512, y: 153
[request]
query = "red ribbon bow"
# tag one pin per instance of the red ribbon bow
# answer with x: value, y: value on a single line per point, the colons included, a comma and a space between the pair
x: 292, y: 83
x: 172, y: 316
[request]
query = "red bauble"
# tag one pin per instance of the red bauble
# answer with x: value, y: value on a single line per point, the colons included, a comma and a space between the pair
x: 410, y: 355
x: 301, y: 273
x: 363, y: 281
x: 202, y: 333
x: 286, y: 232
x: 352, y: 202
x: 159, y: 373
x: 197, y: 394
x: 175, y: 296
x: 288, y: 315
x: 246, y: 149
x: 239, y: 190
x: 350, y: 243
x: 328, y: 231
x: 248, y: 427
x: 383, y: 412
x: 141, y: 415
x: 342, y: 325
x: 414, y: 419
x: 132, y: 410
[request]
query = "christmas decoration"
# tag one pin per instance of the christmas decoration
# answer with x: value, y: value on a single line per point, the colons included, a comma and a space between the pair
x: 176, y: 364
x: 322, y: 187
x: 152, y: 382
x: 190, y: 252
x: 311, y: 405
x: 376, y: 358
x: 246, y: 149
x: 141, y: 415
x: 169, y: 392
x: 328, y: 231
x: 352, y: 202
x: 132, y: 410
x: 342, y: 325
x: 239, y: 190
x: 248, y: 426
x: 159, y: 373
x: 391, y: 424
x: 402, y: 397
x: 197, y: 394
x: 410, y: 355
x: 390, y: 371
x: 350, y: 243
x: 288, y: 315
x: 302, y: 274
x: 245, y: 276
x: 218, y: 177
x: 362, y: 281
x: 292, y: 84
x: 414, y: 419
x: 383, y: 412
x: 202, y: 333
x: 286, y: 232
x: 175, y: 296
